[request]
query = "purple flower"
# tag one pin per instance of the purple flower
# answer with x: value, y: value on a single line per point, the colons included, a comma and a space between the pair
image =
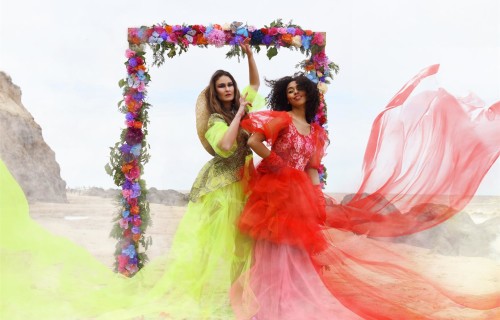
x: 125, y: 148
x: 138, y: 96
x: 136, y: 230
x: 132, y: 62
x: 267, y: 40
x: 136, y: 190
x: 130, y: 116
x: 134, y: 136
x: 291, y: 30
x: 236, y: 40
x: 127, y: 185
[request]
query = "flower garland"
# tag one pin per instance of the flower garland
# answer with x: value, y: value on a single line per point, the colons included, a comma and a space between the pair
x: 129, y: 155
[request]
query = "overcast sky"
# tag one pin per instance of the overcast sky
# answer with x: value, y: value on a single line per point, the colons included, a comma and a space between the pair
x: 68, y: 56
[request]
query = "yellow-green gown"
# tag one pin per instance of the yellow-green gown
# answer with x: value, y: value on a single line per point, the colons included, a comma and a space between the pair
x: 43, y: 276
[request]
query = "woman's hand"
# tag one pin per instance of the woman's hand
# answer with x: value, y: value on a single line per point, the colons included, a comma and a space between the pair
x: 244, y: 106
x: 245, y: 47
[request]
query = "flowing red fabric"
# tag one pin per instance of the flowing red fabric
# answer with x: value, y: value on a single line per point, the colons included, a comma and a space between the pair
x: 425, y: 159
x: 427, y: 153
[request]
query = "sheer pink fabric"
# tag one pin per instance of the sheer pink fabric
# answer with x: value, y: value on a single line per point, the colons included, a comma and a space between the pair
x: 425, y: 159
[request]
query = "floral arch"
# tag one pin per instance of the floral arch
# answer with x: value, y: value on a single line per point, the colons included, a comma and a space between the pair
x: 130, y: 153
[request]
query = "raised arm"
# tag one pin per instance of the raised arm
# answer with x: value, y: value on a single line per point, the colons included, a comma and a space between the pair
x: 253, y: 73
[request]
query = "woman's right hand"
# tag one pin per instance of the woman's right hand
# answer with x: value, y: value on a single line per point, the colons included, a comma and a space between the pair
x: 244, y: 105
x: 245, y: 47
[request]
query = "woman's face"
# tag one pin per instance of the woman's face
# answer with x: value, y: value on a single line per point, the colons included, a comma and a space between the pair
x: 224, y: 87
x: 296, y: 97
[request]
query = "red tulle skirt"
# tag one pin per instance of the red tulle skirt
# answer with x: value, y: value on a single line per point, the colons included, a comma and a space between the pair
x: 283, y: 208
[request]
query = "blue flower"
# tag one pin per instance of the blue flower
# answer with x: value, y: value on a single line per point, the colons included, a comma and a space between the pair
x: 136, y: 150
x: 208, y: 29
x: 242, y: 31
x: 312, y: 76
x: 306, y: 41
x: 140, y: 75
x: 125, y: 213
x: 129, y: 251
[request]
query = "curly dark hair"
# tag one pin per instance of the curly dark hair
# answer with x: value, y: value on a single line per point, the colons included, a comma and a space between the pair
x: 278, y: 101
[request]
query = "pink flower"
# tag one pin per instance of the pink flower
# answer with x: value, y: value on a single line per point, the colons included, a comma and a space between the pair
x: 123, y: 223
x: 273, y: 31
x: 133, y: 174
x: 217, y: 38
x: 319, y: 39
x: 282, y: 30
x: 129, y: 53
x: 122, y: 262
x: 127, y: 193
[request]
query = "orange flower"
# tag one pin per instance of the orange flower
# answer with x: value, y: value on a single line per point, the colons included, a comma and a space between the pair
x: 126, y: 167
x: 309, y: 67
x: 168, y: 29
x: 134, y: 210
x: 308, y: 32
x: 137, y: 124
x: 200, y: 40
x: 136, y: 237
x: 287, y: 38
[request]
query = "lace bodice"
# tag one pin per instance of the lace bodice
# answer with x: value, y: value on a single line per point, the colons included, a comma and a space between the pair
x: 295, y: 148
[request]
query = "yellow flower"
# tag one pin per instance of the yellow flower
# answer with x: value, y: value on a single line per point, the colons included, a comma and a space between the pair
x: 297, y: 41
x: 322, y: 87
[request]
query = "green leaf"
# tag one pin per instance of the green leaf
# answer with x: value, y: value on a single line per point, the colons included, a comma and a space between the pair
x: 271, y: 52
x: 122, y: 82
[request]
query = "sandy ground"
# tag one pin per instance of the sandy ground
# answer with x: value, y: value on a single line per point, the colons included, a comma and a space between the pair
x: 87, y: 220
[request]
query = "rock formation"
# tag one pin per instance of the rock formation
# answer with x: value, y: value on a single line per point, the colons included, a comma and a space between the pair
x: 22, y: 148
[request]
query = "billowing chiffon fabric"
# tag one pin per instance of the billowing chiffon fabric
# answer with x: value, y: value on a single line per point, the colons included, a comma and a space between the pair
x: 425, y: 159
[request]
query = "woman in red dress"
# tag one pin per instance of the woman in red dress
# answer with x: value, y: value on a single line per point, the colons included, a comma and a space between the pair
x: 312, y: 263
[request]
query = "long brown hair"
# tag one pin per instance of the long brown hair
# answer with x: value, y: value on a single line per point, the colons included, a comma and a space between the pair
x: 214, y: 104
